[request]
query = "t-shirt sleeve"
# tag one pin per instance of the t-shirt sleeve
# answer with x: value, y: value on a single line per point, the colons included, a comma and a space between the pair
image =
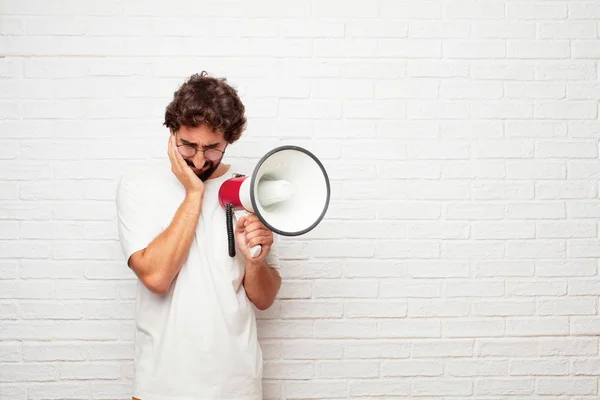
x: 136, y: 224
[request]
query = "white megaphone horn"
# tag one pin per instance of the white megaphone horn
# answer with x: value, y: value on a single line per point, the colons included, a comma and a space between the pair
x: 288, y: 190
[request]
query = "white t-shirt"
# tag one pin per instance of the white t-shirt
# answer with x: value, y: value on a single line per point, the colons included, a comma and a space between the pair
x: 199, y: 340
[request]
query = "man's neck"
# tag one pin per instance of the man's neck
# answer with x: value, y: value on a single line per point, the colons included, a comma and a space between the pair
x: 220, y: 171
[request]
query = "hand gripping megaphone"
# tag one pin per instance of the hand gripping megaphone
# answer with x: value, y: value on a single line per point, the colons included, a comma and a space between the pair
x: 288, y: 190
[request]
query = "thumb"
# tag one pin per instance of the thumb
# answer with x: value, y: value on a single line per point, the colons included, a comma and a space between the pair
x: 239, y: 228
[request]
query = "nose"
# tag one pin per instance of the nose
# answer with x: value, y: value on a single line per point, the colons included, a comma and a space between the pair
x: 198, y: 160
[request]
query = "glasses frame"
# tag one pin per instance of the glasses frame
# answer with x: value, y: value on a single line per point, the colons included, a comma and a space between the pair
x: 196, y: 150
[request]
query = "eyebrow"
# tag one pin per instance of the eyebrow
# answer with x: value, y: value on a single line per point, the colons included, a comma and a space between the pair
x: 208, y: 146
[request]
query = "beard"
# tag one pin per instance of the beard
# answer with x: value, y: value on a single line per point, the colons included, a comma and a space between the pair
x: 204, y: 174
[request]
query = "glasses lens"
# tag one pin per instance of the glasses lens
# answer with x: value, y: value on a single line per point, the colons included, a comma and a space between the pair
x: 212, y: 154
x: 187, y: 151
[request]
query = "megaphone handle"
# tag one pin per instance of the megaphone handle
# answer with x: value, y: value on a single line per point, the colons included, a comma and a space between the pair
x: 254, y: 251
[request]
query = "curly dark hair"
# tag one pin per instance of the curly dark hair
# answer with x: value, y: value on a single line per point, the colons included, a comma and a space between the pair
x: 207, y: 100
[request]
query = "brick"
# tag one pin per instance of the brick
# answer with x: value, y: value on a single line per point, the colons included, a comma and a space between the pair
x: 347, y: 369
x: 437, y: 29
x: 473, y: 170
x: 565, y: 70
x: 508, y: 268
x: 435, y: 69
x: 312, y: 349
x: 473, y: 211
x: 374, y: 269
x: 506, y: 348
x: 504, y: 308
x: 583, y: 366
x: 422, y: 10
x: 535, y: 129
x: 378, y: 387
x: 29, y: 372
x: 346, y: 288
x: 472, y: 328
x: 502, y: 149
x: 503, y: 230
x: 441, y: 387
x: 110, y: 390
x: 546, y: 326
x: 565, y: 347
x: 50, y: 310
x: 10, y: 352
x: 408, y: 328
x: 568, y: 30
x: 503, y: 30
x: 314, y: 389
x: 539, y: 367
x: 533, y: 249
x: 536, y: 288
x: 557, y: 268
x: 574, y: 306
x: 474, y: 10
x: 506, y: 386
x: 502, y: 190
x: 78, y: 370
x: 58, y: 390
x: 392, y: 288
x: 411, y: 368
x: 584, y: 287
x: 375, y: 309
x: 531, y: 49
x: 565, y: 229
x: 438, y: 269
x: 475, y: 250
x: 480, y: 288
x: 464, y: 368
x: 310, y: 309
x: 289, y: 370
x: 532, y: 11
x: 585, y: 325
x: 275, y: 329
x: 568, y: 386
x: 345, y: 329
x: 442, y: 348
x: 370, y: 349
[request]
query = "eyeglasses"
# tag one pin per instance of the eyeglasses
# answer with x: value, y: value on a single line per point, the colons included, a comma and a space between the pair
x: 188, y: 150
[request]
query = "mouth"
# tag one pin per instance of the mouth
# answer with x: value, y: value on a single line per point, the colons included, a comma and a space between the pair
x: 196, y: 170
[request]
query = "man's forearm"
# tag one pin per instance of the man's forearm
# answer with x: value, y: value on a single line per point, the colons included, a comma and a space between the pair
x: 262, y: 284
x: 164, y: 256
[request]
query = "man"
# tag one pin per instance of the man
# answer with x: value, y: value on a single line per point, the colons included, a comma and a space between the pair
x: 195, y: 336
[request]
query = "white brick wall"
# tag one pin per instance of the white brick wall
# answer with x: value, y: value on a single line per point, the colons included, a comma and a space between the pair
x: 458, y: 258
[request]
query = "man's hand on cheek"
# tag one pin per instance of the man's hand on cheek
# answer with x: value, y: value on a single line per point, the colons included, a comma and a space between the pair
x: 250, y: 232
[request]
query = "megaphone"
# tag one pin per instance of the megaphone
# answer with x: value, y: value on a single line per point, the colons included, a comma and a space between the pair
x: 288, y: 190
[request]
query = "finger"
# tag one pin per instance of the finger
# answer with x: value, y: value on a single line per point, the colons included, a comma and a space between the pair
x: 182, y: 164
x: 258, y: 233
x: 250, y: 227
x: 174, y: 164
x: 239, y: 228
x: 262, y: 240
x: 252, y: 218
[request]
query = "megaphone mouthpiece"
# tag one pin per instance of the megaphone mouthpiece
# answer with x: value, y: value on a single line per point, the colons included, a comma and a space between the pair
x: 271, y: 192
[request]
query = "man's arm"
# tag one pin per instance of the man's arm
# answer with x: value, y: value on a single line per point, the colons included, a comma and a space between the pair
x: 262, y: 280
x: 159, y: 263
x: 156, y: 260
x: 262, y: 283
